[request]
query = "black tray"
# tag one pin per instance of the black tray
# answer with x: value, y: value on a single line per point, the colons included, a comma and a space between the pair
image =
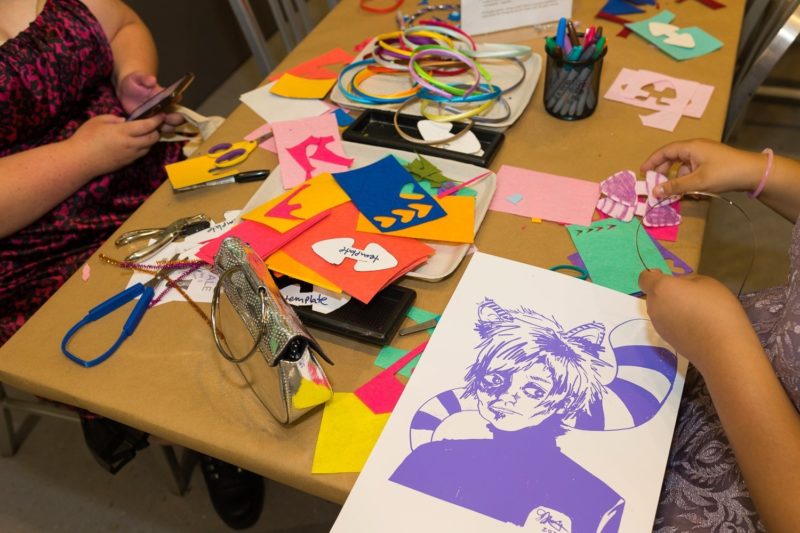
x: 376, y: 127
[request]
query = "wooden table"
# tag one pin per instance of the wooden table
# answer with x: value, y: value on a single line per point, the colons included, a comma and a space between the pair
x: 169, y: 380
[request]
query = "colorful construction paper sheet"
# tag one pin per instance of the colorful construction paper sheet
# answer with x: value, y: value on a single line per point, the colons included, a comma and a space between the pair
x: 457, y: 226
x: 389, y: 196
x: 274, y: 108
x: 193, y: 171
x: 347, y: 434
x: 381, y: 393
x: 308, y: 147
x: 317, y: 68
x: 702, y: 42
x: 360, y: 263
x: 292, y: 86
x: 282, y: 263
x: 608, y: 248
x: 308, y: 199
x: 679, y: 267
x: 546, y: 196
x: 643, y: 88
x: 665, y: 233
x: 264, y: 240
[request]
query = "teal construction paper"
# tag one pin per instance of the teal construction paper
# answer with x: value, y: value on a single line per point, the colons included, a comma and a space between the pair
x: 420, y: 315
x: 704, y: 43
x: 608, y: 249
x: 389, y: 354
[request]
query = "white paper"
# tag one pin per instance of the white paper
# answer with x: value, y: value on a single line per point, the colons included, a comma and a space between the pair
x: 274, y: 108
x: 625, y: 456
x: 486, y: 16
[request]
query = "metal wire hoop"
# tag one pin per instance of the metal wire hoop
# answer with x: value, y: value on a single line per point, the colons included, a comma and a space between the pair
x: 215, y: 308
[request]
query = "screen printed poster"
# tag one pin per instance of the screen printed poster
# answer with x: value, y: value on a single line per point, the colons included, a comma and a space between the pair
x: 542, y: 403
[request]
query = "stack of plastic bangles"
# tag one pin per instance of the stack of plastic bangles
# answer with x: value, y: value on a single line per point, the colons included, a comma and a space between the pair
x: 368, y: 68
x: 425, y: 79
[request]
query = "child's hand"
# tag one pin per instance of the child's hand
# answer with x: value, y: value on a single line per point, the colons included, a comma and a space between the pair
x: 107, y: 143
x: 706, y: 166
x: 136, y: 88
x: 697, y: 315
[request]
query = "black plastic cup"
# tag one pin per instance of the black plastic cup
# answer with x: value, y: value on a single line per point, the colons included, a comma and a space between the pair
x: 572, y: 88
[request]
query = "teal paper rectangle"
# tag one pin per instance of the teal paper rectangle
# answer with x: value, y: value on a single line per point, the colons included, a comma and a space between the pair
x: 704, y: 42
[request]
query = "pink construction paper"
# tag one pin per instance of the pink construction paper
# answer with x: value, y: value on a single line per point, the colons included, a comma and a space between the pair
x: 665, y: 233
x: 308, y: 147
x: 382, y: 392
x: 269, y: 144
x: 264, y: 240
x: 546, y: 196
x: 700, y: 99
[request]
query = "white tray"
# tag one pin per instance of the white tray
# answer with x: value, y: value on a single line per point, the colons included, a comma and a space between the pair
x: 503, y: 73
x: 447, y: 256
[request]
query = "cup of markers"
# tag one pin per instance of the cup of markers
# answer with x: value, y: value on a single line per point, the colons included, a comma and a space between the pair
x: 572, y: 75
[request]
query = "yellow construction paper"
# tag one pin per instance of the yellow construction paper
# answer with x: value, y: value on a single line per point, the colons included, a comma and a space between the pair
x: 310, y: 394
x: 457, y: 226
x: 283, y: 263
x: 314, y: 196
x: 347, y: 434
x: 292, y: 86
x: 195, y: 170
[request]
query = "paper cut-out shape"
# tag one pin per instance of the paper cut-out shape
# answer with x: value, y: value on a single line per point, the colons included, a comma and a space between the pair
x: 546, y: 196
x: 310, y: 198
x: 434, y: 131
x: 273, y: 108
x: 308, y: 147
x: 320, y: 300
x: 622, y: 202
x: 362, y: 285
x: 684, y: 40
x: 389, y: 355
x: 347, y: 434
x: 378, y: 192
x: 620, y: 7
x: 315, y: 69
x: 703, y: 43
x: 291, y: 86
x: 457, y: 226
x: 343, y: 118
x: 372, y: 257
x: 422, y: 169
x: 380, y: 394
x: 679, y: 266
x: 515, y: 198
x: 608, y: 247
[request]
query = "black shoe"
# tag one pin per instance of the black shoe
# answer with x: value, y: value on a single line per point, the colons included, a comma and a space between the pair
x: 237, y: 494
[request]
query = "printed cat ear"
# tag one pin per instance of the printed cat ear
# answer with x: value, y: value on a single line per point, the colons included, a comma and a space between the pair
x: 489, y: 311
x: 593, y: 332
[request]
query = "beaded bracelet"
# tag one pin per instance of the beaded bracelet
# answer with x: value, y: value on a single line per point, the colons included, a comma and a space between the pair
x: 767, y: 171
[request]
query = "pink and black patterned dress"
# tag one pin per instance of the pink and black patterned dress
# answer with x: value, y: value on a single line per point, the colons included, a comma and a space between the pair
x: 704, y: 490
x: 54, y: 76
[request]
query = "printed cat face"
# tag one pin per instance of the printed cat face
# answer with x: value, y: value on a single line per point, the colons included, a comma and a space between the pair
x: 512, y: 397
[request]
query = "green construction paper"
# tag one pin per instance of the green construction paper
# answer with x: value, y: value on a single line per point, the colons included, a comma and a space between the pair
x: 420, y: 315
x: 704, y: 43
x: 424, y: 170
x: 608, y: 249
x: 389, y: 354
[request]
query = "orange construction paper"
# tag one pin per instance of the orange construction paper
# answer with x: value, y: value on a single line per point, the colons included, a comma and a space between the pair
x: 314, y: 69
x: 457, y: 226
x: 292, y: 86
x: 362, y: 285
x: 300, y: 203
x: 282, y: 263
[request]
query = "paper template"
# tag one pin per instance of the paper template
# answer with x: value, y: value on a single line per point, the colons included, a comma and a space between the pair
x: 546, y: 196
x: 292, y: 86
x: 476, y: 443
x: 457, y: 226
x: 361, y: 284
x: 608, y: 247
x: 388, y: 196
x: 346, y: 435
x: 308, y: 147
x: 319, y: 299
x: 273, y: 108
x: 308, y: 199
x: 437, y: 131
x: 690, y: 98
x: 317, y: 68
x: 487, y: 16
x: 703, y: 42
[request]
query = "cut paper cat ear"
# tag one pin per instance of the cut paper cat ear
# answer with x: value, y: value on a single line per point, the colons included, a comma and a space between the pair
x: 621, y: 200
x: 372, y: 257
x: 434, y: 131
x: 660, y: 28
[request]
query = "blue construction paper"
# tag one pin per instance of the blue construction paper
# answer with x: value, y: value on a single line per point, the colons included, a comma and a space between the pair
x: 342, y: 118
x: 620, y: 7
x: 704, y: 42
x: 643, y: 2
x: 608, y: 249
x: 376, y: 191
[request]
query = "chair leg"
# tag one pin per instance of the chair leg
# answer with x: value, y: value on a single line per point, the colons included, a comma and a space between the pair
x: 7, y: 444
x: 180, y: 469
x: 252, y: 34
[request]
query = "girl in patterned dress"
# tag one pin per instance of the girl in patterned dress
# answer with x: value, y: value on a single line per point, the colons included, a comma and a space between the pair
x: 735, y: 456
x: 71, y: 169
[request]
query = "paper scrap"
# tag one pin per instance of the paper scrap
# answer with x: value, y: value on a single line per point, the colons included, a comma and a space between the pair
x: 291, y: 86
x: 390, y: 355
x: 316, y: 69
x: 382, y: 392
x: 273, y: 108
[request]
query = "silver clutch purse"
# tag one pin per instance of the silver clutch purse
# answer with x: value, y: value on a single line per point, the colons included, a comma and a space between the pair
x: 281, y: 368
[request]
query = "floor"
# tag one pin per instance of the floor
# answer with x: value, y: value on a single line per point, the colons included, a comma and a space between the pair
x: 53, y: 484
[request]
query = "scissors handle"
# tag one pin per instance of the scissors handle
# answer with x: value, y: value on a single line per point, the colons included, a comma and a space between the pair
x: 227, y: 155
x: 110, y: 305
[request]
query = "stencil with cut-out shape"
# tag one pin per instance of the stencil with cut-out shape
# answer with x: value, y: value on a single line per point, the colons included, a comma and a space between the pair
x: 372, y: 257
x: 679, y: 43
x: 389, y: 196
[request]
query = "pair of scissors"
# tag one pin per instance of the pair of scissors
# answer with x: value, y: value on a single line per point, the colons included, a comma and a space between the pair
x: 163, y: 236
x: 227, y: 155
x: 145, y: 292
